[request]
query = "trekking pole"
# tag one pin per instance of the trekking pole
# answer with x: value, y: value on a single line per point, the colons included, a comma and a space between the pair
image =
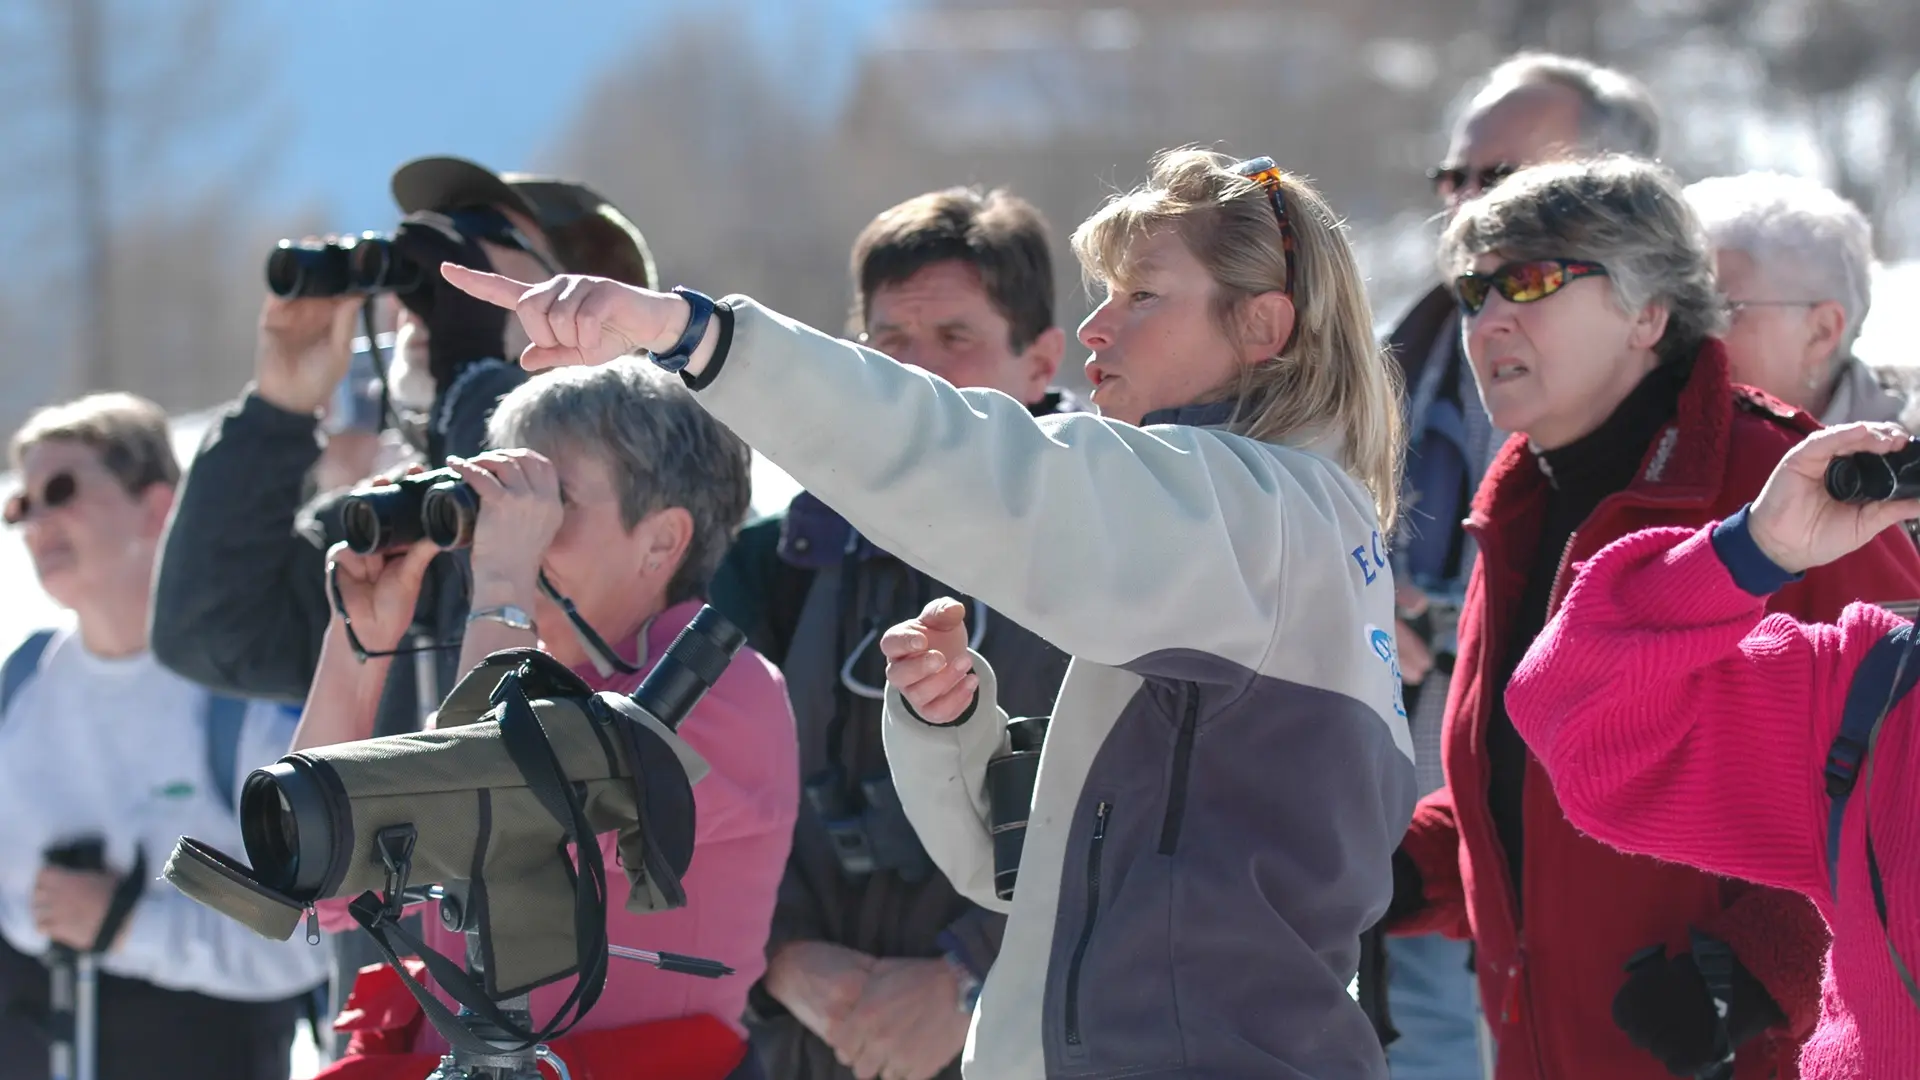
x: 75, y: 977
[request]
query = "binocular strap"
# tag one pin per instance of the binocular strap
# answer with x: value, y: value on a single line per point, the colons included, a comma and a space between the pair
x: 527, y: 744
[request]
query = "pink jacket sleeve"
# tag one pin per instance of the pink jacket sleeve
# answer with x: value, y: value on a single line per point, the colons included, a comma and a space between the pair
x: 1679, y: 720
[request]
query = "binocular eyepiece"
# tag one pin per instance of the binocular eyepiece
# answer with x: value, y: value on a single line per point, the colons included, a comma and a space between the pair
x: 1867, y: 477
x: 363, y: 265
x: 437, y: 506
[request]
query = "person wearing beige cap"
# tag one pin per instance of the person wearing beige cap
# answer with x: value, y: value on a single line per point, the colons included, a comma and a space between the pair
x: 240, y: 598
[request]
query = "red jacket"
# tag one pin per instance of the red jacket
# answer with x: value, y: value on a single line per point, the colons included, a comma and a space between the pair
x: 1548, y: 987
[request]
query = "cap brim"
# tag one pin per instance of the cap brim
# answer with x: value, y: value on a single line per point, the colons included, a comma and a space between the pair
x: 450, y: 183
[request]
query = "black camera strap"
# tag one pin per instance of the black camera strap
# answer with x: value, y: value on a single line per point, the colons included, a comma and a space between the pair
x: 353, y: 639
x: 525, y: 740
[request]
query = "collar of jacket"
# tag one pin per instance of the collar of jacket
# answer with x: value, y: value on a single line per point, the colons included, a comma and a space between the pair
x: 1862, y: 394
x: 1211, y: 414
x: 813, y: 536
x: 1685, y: 465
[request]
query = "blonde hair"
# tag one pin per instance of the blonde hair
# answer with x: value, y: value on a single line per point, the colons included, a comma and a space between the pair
x: 1331, y: 378
x: 129, y: 433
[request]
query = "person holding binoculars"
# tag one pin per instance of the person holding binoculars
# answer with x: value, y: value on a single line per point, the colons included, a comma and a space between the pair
x: 1231, y: 718
x: 604, y: 519
x: 1680, y: 719
x: 240, y: 599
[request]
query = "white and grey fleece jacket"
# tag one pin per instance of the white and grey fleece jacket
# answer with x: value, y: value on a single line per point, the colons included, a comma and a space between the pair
x: 1228, y: 767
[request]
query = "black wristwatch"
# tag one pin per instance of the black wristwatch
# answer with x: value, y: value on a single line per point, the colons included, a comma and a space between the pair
x: 676, y: 358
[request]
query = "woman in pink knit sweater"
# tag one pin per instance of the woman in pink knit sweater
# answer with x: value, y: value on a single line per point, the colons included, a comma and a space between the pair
x: 1679, y: 720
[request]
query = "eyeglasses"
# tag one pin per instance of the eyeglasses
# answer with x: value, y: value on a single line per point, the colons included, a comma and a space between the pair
x: 1522, y: 282
x: 1735, y: 307
x: 1263, y: 171
x: 1450, y: 179
x: 57, y: 492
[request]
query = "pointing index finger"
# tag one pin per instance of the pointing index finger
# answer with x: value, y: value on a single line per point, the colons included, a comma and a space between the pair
x: 495, y: 289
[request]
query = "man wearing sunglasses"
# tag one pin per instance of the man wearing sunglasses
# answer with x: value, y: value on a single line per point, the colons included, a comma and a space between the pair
x: 1531, y: 109
x: 106, y: 758
x: 240, y: 601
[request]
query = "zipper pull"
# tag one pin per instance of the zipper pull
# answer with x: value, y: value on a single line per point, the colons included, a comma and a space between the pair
x: 313, y: 925
x: 1100, y: 820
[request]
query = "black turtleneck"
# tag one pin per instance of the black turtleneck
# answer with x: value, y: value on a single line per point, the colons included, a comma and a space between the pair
x: 1579, y: 475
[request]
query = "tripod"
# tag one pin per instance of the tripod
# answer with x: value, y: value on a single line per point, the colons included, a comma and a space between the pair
x: 518, y: 1065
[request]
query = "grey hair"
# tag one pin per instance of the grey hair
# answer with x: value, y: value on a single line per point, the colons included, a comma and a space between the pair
x: 661, y: 449
x: 1802, y: 237
x: 1617, y: 113
x: 1622, y: 212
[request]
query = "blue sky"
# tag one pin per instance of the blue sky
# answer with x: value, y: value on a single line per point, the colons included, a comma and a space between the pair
x: 367, y: 84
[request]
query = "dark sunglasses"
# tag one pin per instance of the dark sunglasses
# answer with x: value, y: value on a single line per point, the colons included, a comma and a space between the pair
x: 1263, y: 171
x: 1522, y: 282
x: 1448, y: 179
x: 57, y: 492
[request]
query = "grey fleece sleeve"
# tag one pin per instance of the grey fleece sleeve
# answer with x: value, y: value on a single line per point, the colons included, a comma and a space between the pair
x: 947, y: 798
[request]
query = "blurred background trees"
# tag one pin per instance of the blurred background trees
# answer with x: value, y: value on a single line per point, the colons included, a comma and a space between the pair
x: 752, y: 140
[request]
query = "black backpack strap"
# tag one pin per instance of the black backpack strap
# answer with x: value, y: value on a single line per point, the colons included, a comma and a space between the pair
x: 1882, y: 680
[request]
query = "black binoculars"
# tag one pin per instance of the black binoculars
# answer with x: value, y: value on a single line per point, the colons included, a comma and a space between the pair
x: 1010, y: 779
x: 362, y: 265
x: 437, y: 506
x: 1865, y: 477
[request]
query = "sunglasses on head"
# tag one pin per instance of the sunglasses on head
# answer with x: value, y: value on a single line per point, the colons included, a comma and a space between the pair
x: 1448, y: 179
x: 1263, y: 171
x: 57, y: 492
x: 1522, y: 282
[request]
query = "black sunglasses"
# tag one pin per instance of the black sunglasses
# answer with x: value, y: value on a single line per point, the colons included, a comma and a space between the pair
x: 1449, y: 179
x: 57, y: 492
x: 1263, y: 171
x: 1522, y: 282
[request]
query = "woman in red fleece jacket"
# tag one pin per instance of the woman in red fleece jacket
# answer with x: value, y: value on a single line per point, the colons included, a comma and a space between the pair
x: 1590, y: 312
x: 1678, y: 719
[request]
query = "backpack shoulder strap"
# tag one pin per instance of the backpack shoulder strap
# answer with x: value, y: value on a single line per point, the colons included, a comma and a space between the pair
x: 22, y: 665
x: 226, y: 717
x: 1882, y: 679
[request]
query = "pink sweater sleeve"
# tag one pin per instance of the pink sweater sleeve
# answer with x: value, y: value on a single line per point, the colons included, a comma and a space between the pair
x: 1679, y: 720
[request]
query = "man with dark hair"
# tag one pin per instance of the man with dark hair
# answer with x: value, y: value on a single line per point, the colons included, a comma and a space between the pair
x: 875, y: 959
x: 240, y: 598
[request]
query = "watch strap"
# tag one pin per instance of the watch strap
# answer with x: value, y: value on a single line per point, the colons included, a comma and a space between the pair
x: 701, y: 313
x: 509, y: 615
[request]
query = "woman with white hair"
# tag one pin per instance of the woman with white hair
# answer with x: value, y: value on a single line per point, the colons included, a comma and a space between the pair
x: 1793, y: 262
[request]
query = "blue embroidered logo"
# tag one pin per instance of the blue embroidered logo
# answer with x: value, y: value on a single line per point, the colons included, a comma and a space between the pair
x: 1385, y: 648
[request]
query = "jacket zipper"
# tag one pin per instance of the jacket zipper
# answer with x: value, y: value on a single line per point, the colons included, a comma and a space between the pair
x: 1086, y: 930
x: 1182, y: 765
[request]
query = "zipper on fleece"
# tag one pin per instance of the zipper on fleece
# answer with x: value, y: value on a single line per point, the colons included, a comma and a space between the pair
x: 1101, y: 814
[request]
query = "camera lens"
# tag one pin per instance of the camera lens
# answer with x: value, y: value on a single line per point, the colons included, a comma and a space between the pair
x: 376, y: 266
x: 448, y: 512
x: 308, y: 268
x: 288, y: 829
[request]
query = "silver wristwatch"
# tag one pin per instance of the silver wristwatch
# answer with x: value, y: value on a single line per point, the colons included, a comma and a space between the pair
x: 505, y: 614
